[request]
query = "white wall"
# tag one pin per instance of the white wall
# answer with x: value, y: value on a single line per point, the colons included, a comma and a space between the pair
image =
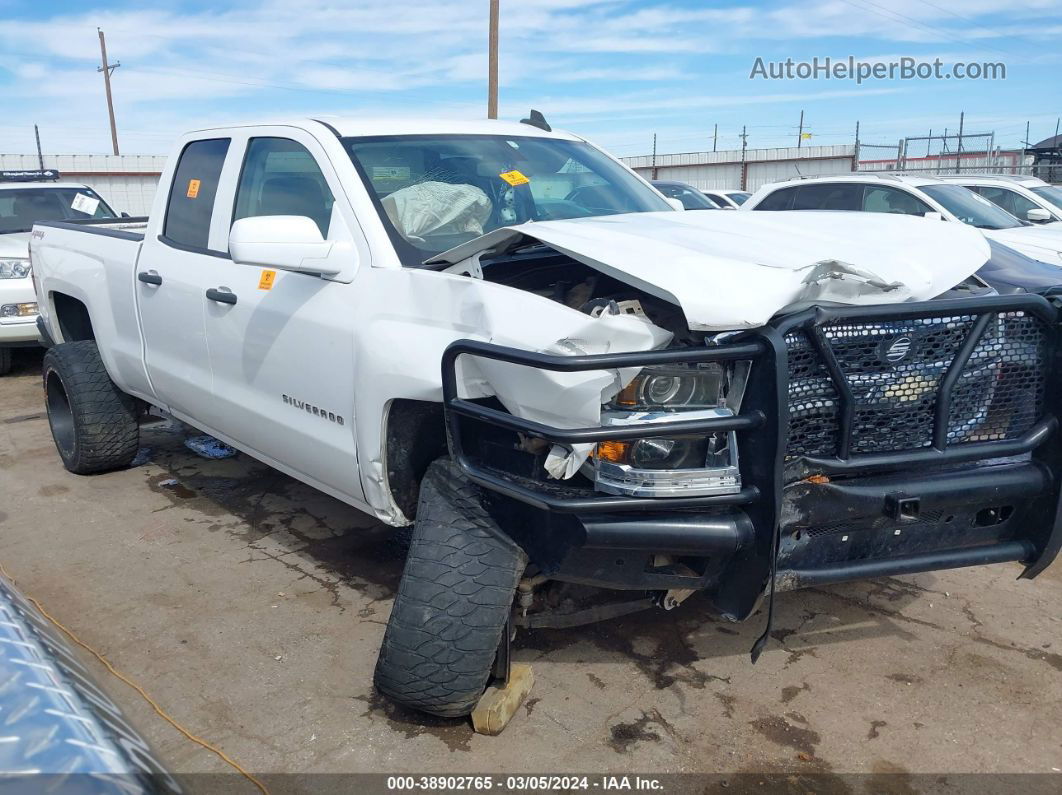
x: 761, y: 166
x: 126, y: 182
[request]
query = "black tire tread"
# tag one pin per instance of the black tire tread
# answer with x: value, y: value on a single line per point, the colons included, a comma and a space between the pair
x: 6, y: 362
x: 105, y: 418
x: 453, y: 601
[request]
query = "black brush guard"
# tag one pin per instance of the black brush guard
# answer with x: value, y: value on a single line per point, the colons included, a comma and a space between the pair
x: 771, y: 474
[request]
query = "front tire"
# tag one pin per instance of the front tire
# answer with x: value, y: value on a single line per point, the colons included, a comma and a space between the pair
x: 453, y: 603
x: 94, y: 424
x: 5, y: 361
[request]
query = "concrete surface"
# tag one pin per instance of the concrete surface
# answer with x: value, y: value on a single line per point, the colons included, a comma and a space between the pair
x: 251, y: 607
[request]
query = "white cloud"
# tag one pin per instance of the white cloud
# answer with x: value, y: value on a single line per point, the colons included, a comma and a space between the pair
x: 588, y: 58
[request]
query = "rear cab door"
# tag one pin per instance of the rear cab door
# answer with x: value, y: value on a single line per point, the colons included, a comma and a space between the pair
x: 176, y: 264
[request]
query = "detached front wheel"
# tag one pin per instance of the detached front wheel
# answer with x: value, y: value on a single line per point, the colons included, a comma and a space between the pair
x: 453, y: 603
x: 94, y: 424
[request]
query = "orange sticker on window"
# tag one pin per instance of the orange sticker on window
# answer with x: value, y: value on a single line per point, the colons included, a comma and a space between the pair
x: 267, y: 279
x: 514, y: 178
x: 193, y: 188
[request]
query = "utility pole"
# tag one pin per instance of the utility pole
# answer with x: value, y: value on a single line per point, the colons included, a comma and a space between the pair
x: 492, y: 61
x: 107, y: 68
x: 855, y: 155
x: 929, y: 141
x: 715, y: 137
x: 744, y: 168
x: 40, y: 156
x: 1026, y: 141
x: 800, y: 130
x: 958, y: 149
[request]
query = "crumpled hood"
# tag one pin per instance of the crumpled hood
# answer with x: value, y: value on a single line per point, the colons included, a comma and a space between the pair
x: 737, y: 270
x: 14, y: 244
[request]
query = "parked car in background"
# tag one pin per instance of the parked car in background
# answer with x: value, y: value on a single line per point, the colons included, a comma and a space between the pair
x: 727, y: 199
x: 691, y: 198
x: 907, y: 195
x: 501, y: 335
x: 24, y: 200
x: 1027, y: 198
x: 1008, y: 271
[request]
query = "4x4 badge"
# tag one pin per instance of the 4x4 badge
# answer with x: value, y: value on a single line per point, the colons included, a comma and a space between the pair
x: 897, y: 351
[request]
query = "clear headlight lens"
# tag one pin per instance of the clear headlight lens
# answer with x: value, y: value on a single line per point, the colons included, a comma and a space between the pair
x: 665, y: 465
x: 19, y: 310
x: 673, y: 388
x: 14, y: 268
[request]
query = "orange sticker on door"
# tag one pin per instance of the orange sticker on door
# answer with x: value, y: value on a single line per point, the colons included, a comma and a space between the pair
x: 514, y: 178
x: 193, y: 188
x: 266, y: 280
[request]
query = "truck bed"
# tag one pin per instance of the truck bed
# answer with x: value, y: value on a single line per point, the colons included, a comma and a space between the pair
x: 124, y: 228
x: 84, y: 274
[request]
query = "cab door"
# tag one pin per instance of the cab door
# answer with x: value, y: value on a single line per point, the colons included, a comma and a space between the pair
x: 171, y: 273
x: 282, y: 343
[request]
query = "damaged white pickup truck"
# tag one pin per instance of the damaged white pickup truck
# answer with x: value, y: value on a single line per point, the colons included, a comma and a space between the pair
x: 501, y: 335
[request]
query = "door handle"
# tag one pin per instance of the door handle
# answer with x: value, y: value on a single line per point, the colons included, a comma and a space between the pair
x: 221, y: 295
x: 149, y: 277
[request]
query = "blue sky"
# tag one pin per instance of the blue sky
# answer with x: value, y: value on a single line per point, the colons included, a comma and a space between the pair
x: 614, y: 70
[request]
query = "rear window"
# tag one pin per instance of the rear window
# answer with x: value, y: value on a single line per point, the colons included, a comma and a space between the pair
x: 192, y: 192
x: 779, y: 200
x: 829, y: 196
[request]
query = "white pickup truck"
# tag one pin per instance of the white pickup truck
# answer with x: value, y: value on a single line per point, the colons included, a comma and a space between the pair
x: 501, y: 335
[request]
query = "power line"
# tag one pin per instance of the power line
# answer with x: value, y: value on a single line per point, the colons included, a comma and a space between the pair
x: 895, y: 16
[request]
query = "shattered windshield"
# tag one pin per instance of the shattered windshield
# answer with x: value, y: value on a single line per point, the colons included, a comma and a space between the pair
x: 971, y: 208
x: 435, y: 192
x: 21, y: 208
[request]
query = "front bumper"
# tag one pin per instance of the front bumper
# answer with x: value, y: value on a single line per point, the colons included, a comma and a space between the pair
x: 821, y: 508
x: 19, y: 333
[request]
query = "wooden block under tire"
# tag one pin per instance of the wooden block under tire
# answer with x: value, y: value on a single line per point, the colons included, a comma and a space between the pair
x: 498, y: 705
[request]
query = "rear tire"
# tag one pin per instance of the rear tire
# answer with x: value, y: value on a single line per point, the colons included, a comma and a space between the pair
x: 453, y: 603
x: 5, y: 361
x: 94, y: 424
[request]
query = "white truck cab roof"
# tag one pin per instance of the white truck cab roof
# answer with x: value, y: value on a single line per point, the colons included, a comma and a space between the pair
x: 353, y: 127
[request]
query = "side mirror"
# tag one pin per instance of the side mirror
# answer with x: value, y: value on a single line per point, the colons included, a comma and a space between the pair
x: 286, y: 242
x: 126, y: 215
x: 675, y: 203
x: 934, y: 215
x: 1038, y: 215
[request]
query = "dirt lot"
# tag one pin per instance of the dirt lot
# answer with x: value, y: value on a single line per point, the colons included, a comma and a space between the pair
x: 252, y: 607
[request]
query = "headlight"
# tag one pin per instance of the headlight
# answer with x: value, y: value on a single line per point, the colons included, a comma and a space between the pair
x: 673, y: 388
x: 665, y: 465
x: 14, y: 268
x: 19, y: 310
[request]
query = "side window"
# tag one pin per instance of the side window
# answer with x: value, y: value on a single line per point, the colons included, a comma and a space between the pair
x: 195, y: 182
x: 779, y: 200
x: 826, y: 196
x: 883, y: 199
x: 281, y: 177
x: 1014, y: 203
